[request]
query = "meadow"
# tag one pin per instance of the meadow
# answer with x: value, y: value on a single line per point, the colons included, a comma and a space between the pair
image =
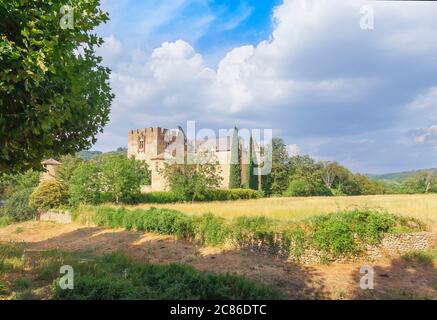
x: 423, y: 207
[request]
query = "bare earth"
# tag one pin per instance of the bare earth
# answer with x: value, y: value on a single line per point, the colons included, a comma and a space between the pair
x: 393, y: 278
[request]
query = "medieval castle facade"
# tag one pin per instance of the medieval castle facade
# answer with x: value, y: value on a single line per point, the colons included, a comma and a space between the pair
x: 158, y: 145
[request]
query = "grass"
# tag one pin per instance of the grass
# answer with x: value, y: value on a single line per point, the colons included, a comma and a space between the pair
x: 5, y: 221
x: 423, y: 207
x: 115, y: 276
x: 422, y: 257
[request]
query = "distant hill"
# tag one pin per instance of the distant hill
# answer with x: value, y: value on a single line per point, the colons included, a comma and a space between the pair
x: 397, y: 176
x: 87, y: 155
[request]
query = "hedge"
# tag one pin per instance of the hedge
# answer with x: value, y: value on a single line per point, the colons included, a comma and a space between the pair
x: 207, y: 195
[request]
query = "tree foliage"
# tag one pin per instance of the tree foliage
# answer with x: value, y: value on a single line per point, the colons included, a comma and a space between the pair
x: 12, y: 183
x: 54, y: 92
x: 112, y: 177
x: 190, y: 181
x: 235, y: 170
x: 17, y: 206
x: 280, y: 167
x: 252, y: 178
x: 122, y: 177
x: 48, y: 195
x: 65, y: 171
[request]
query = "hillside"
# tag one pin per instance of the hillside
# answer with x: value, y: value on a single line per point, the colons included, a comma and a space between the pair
x: 397, y: 176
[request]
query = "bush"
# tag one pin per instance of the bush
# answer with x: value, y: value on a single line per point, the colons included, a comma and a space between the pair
x: 211, y: 230
x: 298, y: 188
x: 49, y: 194
x: 17, y: 207
x: 345, y: 232
x: 246, y: 229
x: 4, y: 220
x: 207, y: 195
x: 230, y: 194
x: 160, y: 197
x: 162, y: 221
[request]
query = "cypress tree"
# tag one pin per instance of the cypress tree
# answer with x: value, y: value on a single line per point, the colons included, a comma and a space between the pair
x: 252, y: 179
x: 235, y: 170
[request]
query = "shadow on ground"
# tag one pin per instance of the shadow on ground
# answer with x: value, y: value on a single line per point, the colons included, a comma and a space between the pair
x: 296, y: 282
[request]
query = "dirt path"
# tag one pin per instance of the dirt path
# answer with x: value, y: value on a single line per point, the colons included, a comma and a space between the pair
x: 393, y: 278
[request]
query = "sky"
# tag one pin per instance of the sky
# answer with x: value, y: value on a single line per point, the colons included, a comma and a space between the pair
x: 306, y: 69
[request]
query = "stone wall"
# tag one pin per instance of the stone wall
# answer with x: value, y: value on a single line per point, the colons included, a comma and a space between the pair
x: 391, y: 245
x: 57, y: 217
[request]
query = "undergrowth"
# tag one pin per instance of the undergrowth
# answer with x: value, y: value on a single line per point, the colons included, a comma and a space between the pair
x: 116, y: 276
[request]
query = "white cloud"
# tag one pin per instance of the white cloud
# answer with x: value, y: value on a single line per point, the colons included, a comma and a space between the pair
x: 111, y: 49
x: 293, y: 150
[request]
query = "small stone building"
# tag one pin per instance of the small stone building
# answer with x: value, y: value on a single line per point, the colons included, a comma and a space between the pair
x: 50, y: 168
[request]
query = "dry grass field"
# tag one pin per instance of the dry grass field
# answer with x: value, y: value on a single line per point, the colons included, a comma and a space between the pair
x: 423, y: 207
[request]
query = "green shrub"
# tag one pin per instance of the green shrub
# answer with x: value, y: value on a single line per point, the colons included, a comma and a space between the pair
x: 333, y: 234
x: 49, y: 194
x: 211, y: 230
x: 17, y: 207
x: 4, y: 220
x: 162, y: 221
x: 160, y: 197
x: 206, y: 195
x: 345, y: 232
x: 230, y: 194
x: 245, y: 229
x: 421, y: 257
x: 298, y: 188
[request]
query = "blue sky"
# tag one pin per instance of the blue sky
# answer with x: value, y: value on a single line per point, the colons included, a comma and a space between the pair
x: 365, y: 98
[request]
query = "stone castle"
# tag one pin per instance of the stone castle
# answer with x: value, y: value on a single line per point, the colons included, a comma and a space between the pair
x: 158, y: 145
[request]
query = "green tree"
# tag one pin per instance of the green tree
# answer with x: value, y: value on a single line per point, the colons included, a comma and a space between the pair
x: 85, y: 184
x: 298, y: 188
x: 252, y: 178
x: 17, y: 207
x: 122, y: 177
x: 306, y: 169
x: 65, y: 171
x: 54, y: 92
x: 369, y: 187
x: 191, y: 180
x: 12, y: 183
x: 421, y: 182
x: 235, y: 170
x: 338, y: 179
x: 266, y: 179
x: 279, y: 176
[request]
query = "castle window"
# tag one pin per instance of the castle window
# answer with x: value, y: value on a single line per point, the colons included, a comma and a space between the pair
x: 141, y: 144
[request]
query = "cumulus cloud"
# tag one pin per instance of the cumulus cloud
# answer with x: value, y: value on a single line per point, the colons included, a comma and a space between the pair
x: 318, y: 78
